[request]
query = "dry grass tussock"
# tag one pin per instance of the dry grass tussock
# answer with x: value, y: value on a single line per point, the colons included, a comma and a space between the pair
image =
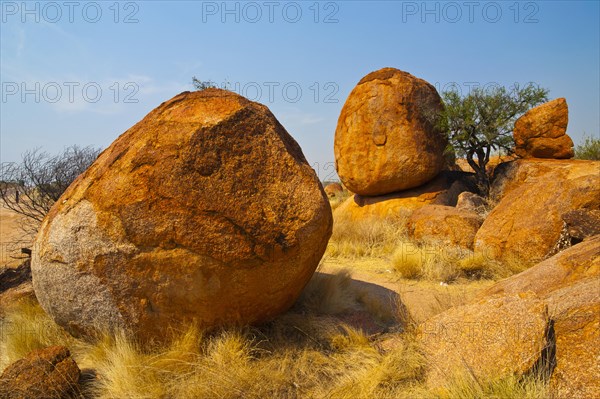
x: 375, y: 237
x: 338, y: 199
x: 447, y: 264
x: 387, y: 238
x: 463, y: 386
x: 305, y: 353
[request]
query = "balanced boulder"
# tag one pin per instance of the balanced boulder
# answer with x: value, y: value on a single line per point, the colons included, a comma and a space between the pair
x: 386, y: 139
x: 541, y: 132
x: 181, y: 220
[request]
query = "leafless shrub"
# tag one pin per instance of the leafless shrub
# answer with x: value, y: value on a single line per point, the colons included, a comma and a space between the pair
x: 30, y: 187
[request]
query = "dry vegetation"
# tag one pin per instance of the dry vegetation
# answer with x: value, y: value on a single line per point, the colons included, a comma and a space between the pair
x: 339, y: 198
x: 387, y: 239
x: 312, y: 351
x: 306, y: 353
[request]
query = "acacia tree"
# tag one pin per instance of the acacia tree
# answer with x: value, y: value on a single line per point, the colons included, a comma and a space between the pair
x: 483, y: 121
x: 32, y: 186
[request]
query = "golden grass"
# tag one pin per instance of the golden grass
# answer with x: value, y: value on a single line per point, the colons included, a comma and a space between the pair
x: 374, y: 237
x: 305, y: 353
x: 25, y: 328
x: 338, y: 199
x: 386, y: 238
x: 430, y: 261
x: 466, y: 387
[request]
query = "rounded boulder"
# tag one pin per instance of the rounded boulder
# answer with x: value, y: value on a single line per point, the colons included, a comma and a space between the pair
x: 181, y: 220
x: 386, y: 138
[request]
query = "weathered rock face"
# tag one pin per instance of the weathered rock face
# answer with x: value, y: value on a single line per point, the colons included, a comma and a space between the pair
x: 576, y: 311
x: 444, y: 224
x: 527, y: 222
x: 385, y: 139
x: 569, y: 284
x: 577, y: 263
x: 48, y: 373
x: 443, y: 190
x: 182, y: 220
x: 498, y: 336
x: 468, y: 201
x: 582, y: 223
x: 333, y: 189
x: 541, y: 132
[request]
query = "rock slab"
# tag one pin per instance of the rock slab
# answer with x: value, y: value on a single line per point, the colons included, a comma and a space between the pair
x: 495, y: 337
x: 569, y: 283
x: 526, y: 224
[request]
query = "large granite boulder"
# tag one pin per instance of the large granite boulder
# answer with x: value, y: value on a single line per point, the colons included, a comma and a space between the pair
x: 533, y: 195
x: 181, y: 220
x: 386, y: 139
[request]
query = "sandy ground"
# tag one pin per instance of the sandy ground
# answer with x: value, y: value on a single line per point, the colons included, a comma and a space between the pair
x: 423, y: 299
x: 12, y: 238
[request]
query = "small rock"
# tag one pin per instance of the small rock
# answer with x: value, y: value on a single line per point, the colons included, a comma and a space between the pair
x: 11, y: 277
x: 333, y: 189
x: 445, y: 224
x: 48, y: 373
x: 468, y: 201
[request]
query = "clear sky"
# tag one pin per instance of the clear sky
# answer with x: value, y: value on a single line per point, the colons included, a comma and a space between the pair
x: 83, y: 72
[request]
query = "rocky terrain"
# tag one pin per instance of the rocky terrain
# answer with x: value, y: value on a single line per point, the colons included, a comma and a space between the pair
x: 207, y: 214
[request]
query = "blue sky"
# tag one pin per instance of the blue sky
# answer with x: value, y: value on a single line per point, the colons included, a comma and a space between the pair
x: 84, y: 72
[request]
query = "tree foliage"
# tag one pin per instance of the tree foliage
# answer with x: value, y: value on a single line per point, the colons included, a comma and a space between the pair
x: 589, y: 149
x: 30, y: 187
x: 481, y: 123
x: 203, y: 84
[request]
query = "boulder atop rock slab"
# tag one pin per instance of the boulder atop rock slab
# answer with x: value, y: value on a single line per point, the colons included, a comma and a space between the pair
x: 386, y: 139
x: 542, y: 132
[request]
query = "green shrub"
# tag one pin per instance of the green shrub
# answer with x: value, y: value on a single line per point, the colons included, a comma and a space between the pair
x: 589, y: 149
